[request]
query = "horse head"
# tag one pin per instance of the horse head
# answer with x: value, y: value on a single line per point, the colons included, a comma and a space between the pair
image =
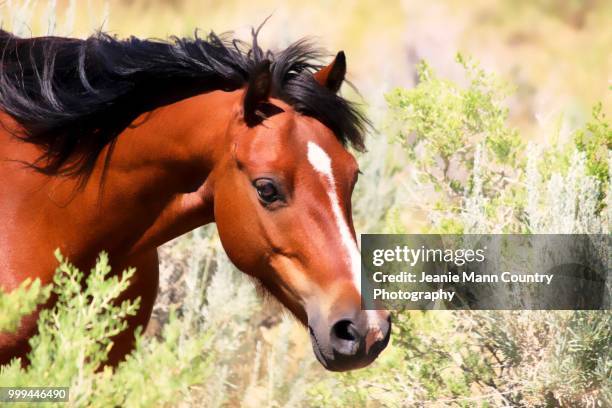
x: 282, y: 204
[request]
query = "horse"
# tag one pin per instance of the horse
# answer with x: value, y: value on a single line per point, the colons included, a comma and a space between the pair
x: 124, y: 144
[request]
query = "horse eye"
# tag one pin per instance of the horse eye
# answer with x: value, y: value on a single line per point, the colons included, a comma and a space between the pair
x: 266, y: 190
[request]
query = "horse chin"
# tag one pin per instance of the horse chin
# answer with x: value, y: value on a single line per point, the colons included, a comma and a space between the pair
x: 317, y: 349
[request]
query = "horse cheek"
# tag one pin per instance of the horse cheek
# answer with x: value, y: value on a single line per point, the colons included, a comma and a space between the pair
x: 239, y: 232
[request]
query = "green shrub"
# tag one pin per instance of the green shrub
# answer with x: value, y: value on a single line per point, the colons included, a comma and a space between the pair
x: 74, y: 339
x: 21, y: 302
x: 450, y: 132
x: 502, y: 358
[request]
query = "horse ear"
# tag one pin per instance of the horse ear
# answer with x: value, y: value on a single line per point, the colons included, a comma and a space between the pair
x: 257, y: 92
x: 332, y: 75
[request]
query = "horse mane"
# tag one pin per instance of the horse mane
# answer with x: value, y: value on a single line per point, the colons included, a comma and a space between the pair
x: 73, y: 97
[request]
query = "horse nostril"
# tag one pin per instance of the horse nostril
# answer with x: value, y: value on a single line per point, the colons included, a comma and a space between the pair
x: 344, y: 330
x: 345, y: 337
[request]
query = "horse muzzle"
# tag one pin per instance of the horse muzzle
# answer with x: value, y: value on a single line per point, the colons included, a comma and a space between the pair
x: 351, y: 341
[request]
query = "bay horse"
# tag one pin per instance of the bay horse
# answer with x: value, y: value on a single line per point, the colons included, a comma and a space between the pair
x: 124, y: 144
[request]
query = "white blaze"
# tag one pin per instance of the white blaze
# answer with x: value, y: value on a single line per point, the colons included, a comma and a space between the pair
x: 321, y: 162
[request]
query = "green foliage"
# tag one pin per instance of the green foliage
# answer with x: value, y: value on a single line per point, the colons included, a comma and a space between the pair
x: 584, y: 344
x: 21, y: 302
x: 448, y: 120
x: 460, y: 148
x: 595, y: 140
x: 551, y: 356
x: 75, y: 336
x: 157, y: 372
x: 444, y: 127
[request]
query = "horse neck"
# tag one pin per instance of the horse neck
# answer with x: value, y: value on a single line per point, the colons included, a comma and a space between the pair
x: 181, y: 141
x: 156, y: 177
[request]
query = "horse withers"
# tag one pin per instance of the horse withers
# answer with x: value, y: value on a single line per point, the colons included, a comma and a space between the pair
x: 122, y: 145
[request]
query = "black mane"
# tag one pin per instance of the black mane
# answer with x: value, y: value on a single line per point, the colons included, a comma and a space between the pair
x: 73, y: 97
